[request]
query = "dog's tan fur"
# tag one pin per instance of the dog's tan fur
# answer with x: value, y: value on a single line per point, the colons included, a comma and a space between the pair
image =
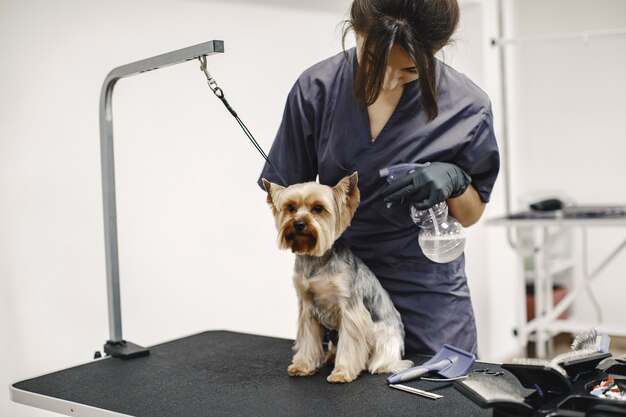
x: 326, y: 295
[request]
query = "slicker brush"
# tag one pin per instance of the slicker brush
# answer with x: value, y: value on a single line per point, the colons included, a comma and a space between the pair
x: 584, y: 344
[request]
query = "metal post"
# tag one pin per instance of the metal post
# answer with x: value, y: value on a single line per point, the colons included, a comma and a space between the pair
x: 117, y: 346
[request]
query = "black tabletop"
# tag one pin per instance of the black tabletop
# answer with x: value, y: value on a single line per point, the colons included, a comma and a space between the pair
x: 221, y: 373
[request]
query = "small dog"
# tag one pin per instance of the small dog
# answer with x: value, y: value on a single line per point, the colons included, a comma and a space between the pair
x: 335, y: 289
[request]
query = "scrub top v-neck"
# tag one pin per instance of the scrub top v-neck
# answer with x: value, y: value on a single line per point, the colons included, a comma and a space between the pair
x: 325, y: 135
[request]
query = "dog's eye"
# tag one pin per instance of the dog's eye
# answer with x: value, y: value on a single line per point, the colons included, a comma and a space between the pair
x: 317, y: 208
x: 291, y: 207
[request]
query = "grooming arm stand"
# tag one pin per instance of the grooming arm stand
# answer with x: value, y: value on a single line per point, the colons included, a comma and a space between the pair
x: 116, y: 346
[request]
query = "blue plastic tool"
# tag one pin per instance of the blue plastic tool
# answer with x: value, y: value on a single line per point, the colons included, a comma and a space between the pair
x: 449, y: 362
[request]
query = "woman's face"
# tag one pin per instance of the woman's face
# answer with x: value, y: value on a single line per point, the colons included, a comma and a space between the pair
x: 400, y: 67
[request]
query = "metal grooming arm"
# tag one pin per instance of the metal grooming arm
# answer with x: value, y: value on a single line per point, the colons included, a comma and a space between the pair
x: 117, y: 346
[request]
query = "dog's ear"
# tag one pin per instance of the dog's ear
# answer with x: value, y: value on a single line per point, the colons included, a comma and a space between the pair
x: 348, y: 196
x: 272, y: 191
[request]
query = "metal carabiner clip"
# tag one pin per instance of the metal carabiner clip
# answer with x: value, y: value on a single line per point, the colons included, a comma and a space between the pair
x: 210, y: 80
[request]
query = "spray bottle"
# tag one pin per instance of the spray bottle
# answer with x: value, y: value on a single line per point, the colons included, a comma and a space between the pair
x: 441, y: 237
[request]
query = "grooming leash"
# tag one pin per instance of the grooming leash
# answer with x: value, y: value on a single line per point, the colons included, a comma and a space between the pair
x: 220, y: 94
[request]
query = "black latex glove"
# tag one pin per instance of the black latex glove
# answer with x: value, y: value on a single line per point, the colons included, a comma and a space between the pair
x: 429, y: 185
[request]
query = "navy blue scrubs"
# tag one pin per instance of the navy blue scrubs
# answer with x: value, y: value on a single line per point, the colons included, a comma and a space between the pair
x: 325, y: 133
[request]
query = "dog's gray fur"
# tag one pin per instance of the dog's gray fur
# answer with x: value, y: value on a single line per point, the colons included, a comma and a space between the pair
x: 365, y: 286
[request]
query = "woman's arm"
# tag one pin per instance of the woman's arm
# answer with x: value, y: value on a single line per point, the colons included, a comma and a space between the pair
x: 467, y: 208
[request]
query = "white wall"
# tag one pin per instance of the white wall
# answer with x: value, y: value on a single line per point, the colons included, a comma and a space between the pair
x: 197, y: 245
x: 568, y: 134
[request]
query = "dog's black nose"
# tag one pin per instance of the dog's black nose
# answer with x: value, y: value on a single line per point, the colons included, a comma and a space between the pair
x: 299, y: 225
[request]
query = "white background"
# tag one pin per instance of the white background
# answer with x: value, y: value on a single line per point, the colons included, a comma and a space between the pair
x: 197, y: 244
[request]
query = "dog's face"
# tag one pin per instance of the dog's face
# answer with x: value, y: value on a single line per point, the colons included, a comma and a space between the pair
x: 310, y: 216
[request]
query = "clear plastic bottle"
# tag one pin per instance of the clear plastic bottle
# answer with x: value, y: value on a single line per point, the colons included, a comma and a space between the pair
x: 441, y: 237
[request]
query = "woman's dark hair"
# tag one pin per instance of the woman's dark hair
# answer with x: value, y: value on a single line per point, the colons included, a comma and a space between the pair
x: 420, y: 27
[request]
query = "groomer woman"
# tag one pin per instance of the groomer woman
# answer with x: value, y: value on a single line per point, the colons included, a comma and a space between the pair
x: 385, y: 102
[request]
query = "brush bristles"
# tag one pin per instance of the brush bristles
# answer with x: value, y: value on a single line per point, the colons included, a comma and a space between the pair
x: 575, y: 354
x: 540, y: 362
x: 585, y: 340
x: 584, y: 344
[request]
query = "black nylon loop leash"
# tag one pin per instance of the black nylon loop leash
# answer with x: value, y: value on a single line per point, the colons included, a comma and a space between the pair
x: 219, y: 93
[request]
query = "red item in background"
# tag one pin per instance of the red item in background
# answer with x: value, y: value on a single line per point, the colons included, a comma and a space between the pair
x: 558, y: 293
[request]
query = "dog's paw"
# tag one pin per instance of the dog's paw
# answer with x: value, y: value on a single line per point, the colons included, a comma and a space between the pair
x: 301, y: 370
x: 341, y: 377
x: 394, y: 368
x: 401, y: 366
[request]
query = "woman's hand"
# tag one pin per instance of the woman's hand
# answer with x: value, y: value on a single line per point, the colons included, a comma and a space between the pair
x: 429, y: 185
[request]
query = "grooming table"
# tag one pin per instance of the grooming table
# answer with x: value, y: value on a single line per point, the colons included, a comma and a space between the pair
x: 215, y: 373
x: 221, y: 373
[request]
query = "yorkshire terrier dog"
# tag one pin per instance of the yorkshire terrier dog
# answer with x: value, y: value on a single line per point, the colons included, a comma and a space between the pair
x: 335, y: 289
